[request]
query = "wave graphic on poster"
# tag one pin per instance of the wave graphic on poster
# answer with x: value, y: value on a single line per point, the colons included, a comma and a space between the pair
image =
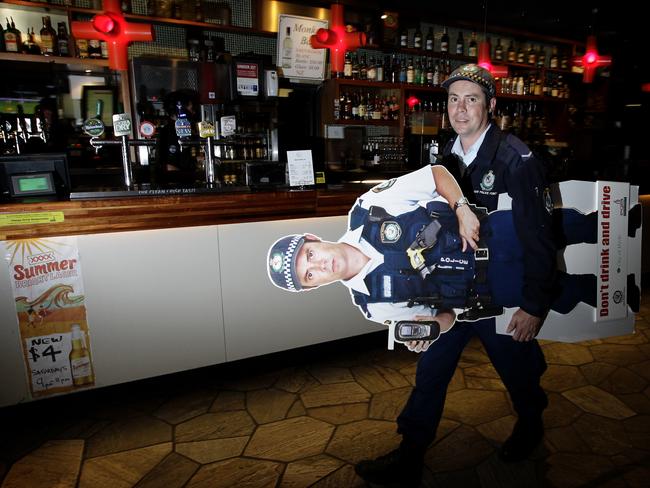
x: 59, y: 296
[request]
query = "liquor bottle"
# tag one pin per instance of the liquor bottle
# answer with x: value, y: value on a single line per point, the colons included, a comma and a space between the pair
x: 521, y: 57
x: 49, y: 41
x: 564, y: 60
x: 363, y: 68
x: 417, y: 78
x: 125, y: 6
x: 531, y: 56
x: 347, y: 67
x: 355, y: 68
x: 436, y: 74
x: 410, y: 72
x: 177, y: 9
x: 541, y: 57
x: 460, y: 43
x: 428, y: 43
x: 402, y: 72
x: 339, y: 107
x: 198, y: 11
x: 444, y: 41
x: 553, y: 62
x: 379, y: 70
x: 82, y: 48
x: 363, y: 107
x: 430, y: 72
x: 80, y: 365
x: 94, y: 49
x: 371, y: 70
x: 287, y: 49
x: 498, y: 51
x: 417, y: 38
x: 31, y: 47
x: 12, y: 37
x: 64, y: 40
x: 2, y: 39
x: 512, y: 55
x: 473, y: 46
x: 404, y: 38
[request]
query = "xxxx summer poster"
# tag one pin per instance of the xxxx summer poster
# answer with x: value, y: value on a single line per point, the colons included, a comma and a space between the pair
x: 47, y: 284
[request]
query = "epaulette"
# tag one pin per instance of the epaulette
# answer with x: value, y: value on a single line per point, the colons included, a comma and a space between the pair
x: 518, y: 146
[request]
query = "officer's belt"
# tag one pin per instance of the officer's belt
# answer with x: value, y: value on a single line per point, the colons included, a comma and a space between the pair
x: 427, y: 238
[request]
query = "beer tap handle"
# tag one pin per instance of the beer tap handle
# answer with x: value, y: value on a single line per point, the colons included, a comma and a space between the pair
x: 93, y: 144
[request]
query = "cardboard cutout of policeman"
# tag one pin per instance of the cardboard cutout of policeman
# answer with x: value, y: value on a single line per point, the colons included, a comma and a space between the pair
x: 406, y: 268
x: 417, y: 258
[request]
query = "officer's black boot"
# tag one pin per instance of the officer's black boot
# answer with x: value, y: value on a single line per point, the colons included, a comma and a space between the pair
x: 525, y: 437
x: 401, y: 468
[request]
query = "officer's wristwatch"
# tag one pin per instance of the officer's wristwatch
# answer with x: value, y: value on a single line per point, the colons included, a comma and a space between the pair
x: 461, y: 201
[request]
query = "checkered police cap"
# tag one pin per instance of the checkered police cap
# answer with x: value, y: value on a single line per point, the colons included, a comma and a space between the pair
x: 476, y: 74
x: 282, y: 262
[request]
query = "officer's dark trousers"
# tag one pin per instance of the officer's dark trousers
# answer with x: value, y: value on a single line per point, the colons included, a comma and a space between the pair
x: 520, y: 365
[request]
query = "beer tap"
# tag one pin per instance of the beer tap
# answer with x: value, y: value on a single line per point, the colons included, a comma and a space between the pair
x: 122, y: 130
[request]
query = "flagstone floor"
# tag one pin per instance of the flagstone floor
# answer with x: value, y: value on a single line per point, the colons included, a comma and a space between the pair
x: 303, y: 418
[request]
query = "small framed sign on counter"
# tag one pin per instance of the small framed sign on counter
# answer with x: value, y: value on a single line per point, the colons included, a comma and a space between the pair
x: 296, y: 57
x: 301, y: 168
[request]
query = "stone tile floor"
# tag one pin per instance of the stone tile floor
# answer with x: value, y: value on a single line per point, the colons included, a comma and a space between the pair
x: 303, y: 418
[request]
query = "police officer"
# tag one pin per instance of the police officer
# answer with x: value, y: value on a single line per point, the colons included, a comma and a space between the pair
x: 490, y: 165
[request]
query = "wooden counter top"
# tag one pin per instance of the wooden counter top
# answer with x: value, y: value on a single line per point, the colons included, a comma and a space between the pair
x: 160, y: 212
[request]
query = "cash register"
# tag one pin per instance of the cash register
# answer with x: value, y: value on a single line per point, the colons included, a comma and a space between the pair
x: 28, y: 177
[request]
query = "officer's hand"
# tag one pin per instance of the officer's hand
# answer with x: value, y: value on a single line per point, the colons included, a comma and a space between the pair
x: 418, y: 346
x: 524, y: 325
x: 468, y: 227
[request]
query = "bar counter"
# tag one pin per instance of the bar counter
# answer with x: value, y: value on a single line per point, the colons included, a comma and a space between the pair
x: 161, y: 212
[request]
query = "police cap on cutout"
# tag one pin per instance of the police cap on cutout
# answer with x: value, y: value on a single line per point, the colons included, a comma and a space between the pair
x: 474, y: 73
x: 282, y: 262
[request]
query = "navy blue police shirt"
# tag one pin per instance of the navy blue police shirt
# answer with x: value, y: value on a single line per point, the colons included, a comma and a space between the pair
x: 504, y: 164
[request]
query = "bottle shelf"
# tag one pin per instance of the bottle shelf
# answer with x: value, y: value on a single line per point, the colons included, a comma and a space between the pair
x: 419, y: 52
x: 532, y: 98
x: 203, y: 25
x: 388, y: 123
x: 36, y: 58
x: 387, y: 86
x: 145, y: 18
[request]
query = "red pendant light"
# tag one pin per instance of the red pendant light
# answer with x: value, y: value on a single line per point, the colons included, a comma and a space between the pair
x: 112, y: 27
x: 337, y: 40
x: 591, y: 60
x: 484, y: 61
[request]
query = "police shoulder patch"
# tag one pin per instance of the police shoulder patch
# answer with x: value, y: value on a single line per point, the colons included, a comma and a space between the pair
x: 384, y: 186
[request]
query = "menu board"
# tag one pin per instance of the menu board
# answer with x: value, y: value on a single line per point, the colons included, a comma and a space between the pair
x: 296, y: 57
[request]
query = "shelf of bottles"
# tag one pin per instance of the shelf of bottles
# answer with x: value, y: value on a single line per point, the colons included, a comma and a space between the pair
x: 56, y: 42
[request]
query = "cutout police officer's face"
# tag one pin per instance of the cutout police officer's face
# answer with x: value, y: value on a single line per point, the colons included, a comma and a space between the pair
x: 468, y: 109
x: 321, y: 262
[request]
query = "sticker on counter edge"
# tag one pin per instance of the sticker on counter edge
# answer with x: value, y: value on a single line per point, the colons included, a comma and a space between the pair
x: 31, y: 218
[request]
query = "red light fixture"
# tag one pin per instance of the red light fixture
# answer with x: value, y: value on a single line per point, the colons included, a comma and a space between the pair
x: 484, y: 61
x: 337, y: 40
x: 412, y: 101
x: 112, y: 27
x: 591, y: 60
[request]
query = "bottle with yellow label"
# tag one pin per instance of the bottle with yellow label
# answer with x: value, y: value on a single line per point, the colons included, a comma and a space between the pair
x: 80, y: 364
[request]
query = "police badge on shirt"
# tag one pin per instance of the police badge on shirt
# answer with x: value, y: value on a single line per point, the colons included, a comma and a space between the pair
x: 390, y: 232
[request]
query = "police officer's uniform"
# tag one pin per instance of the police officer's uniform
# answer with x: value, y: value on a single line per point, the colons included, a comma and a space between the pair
x: 503, y: 165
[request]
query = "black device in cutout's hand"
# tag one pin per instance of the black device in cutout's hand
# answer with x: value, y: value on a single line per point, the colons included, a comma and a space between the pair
x: 416, y: 330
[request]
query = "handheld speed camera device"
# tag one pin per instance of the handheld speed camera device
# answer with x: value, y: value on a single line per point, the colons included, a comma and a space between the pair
x: 412, y: 330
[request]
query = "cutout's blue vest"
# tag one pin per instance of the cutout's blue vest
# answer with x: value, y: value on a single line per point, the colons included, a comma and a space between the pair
x: 395, y: 280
